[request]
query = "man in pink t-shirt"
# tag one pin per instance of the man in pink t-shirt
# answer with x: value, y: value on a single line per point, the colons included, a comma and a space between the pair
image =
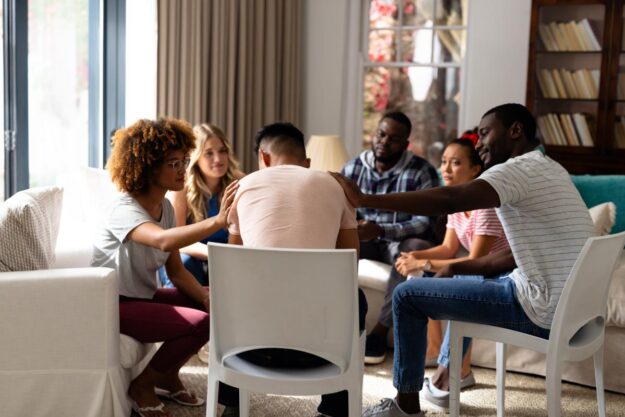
x: 286, y: 205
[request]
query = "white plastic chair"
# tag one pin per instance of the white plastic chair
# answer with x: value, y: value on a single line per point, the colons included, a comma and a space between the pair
x: 304, y: 300
x: 577, y: 329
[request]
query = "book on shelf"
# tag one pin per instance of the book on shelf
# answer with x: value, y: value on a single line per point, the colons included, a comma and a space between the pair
x: 547, y: 38
x: 562, y: 93
x: 588, y: 33
x: 565, y: 84
x: 571, y: 36
x: 569, y: 83
x: 569, y: 29
x: 566, y: 129
x: 581, y: 124
x: 569, y: 130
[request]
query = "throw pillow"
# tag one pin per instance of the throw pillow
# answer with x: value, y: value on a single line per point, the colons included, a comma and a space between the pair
x: 29, y: 224
x: 603, y: 218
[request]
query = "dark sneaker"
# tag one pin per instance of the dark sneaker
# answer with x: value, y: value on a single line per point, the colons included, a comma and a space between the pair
x: 375, y: 350
x: 230, y: 412
x: 388, y: 408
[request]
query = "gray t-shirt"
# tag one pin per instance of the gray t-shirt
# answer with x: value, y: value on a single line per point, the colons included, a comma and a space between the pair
x: 136, y: 264
x: 546, y: 223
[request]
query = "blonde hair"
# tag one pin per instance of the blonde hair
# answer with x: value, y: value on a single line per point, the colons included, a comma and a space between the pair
x: 198, y: 192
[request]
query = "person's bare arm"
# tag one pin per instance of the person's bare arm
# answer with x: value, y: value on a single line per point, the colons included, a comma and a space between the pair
x: 179, y: 201
x: 445, y: 250
x: 167, y: 240
x: 411, y: 262
x: 489, y: 265
x: 480, y: 247
x: 348, y: 239
x: 184, y: 281
x: 235, y: 239
x: 476, y: 194
x: 197, y: 250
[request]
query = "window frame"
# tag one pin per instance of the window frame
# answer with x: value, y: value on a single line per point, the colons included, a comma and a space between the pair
x: 107, y: 23
x: 365, y: 63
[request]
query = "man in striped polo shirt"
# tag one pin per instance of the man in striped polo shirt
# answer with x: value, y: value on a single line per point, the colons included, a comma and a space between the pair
x: 546, y: 223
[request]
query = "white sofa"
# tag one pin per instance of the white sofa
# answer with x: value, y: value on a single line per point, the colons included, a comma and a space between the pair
x: 61, y: 352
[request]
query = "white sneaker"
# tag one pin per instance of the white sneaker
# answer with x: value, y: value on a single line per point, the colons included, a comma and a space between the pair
x: 202, y: 354
x: 388, y: 408
x: 438, y: 397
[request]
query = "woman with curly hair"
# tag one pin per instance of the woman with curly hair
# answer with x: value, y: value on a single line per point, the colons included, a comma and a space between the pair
x: 148, y: 159
x: 211, y: 169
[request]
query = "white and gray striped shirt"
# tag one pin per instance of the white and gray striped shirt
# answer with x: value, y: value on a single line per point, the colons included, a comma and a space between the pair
x: 546, y: 223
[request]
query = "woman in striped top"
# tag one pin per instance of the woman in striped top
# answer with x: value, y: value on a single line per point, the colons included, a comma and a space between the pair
x: 479, y: 232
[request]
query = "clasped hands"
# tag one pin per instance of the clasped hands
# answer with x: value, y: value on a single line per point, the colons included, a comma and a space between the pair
x: 408, y: 264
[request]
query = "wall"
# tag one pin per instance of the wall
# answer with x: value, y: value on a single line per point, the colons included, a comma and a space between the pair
x: 496, y: 67
x: 324, y: 47
x: 496, y: 59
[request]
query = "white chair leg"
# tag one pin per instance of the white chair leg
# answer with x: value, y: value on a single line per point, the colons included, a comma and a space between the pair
x: 455, y: 366
x: 354, y: 403
x: 244, y: 403
x: 598, y: 359
x: 553, y: 384
x: 212, y: 393
x: 500, y: 378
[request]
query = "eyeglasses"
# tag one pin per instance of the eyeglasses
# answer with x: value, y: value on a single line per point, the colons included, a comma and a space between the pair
x: 179, y: 164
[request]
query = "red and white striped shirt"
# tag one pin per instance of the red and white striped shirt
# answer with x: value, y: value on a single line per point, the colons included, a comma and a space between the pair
x: 483, y: 222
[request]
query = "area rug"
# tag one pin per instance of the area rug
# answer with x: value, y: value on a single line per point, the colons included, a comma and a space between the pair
x: 525, y: 396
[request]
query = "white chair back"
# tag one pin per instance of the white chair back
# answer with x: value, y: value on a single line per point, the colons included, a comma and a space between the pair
x: 283, y: 298
x: 580, y: 316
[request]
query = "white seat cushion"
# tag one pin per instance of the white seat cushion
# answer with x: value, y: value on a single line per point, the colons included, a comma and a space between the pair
x: 373, y: 274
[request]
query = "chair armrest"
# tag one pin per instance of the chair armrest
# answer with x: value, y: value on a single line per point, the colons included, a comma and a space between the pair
x: 59, y: 319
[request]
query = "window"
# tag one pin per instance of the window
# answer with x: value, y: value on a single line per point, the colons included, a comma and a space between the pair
x: 65, y: 70
x: 415, y: 54
x: 58, y: 88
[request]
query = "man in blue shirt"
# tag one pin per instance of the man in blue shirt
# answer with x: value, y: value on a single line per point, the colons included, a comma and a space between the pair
x: 389, y: 167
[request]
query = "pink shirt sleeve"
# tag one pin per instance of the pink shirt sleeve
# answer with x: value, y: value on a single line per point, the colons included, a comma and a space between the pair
x: 487, y: 223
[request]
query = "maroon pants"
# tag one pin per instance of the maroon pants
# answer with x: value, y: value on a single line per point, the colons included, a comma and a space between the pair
x: 169, y: 317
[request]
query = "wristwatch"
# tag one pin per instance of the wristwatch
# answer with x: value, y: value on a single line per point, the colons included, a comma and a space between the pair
x: 427, y: 266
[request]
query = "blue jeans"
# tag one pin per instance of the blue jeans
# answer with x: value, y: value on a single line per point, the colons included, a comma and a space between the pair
x: 195, y: 266
x: 475, y: 299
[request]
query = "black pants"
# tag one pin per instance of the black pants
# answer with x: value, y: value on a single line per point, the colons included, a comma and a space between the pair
x: 334, y: 405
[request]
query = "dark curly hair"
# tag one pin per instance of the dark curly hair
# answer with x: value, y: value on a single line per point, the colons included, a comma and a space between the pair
x: 139, y: 149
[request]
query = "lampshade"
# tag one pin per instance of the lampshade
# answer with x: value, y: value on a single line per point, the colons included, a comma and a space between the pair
x: 326, y: 152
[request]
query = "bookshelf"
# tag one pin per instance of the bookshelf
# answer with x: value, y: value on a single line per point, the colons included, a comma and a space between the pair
x: 576, y: 82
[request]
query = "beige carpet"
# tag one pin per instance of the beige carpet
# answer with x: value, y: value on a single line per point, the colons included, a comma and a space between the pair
x: 525, y: 396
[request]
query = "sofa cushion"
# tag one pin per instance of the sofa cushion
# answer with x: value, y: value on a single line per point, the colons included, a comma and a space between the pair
x: 603, y: 217
x: 373, y: 274
x: 597, y: 189
x: 29, y: 222
x: 89, y: 195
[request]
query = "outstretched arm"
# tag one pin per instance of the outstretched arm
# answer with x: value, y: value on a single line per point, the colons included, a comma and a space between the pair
x: 348, y: 239
x: 167, y: 240
x: 476, y: 194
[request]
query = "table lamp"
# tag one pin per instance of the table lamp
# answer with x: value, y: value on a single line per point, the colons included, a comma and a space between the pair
x: 326, y: 152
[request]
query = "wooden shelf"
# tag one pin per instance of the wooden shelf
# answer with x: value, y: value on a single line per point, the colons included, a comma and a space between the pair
x: 606, y: 19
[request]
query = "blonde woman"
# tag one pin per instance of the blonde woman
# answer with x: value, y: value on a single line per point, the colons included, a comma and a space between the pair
x: 212, y: 168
